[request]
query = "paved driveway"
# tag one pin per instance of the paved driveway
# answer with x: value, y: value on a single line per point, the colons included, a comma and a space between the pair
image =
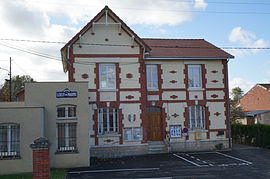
x: 241, y: 162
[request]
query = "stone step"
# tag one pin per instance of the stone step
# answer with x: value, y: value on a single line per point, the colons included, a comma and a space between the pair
x: 156, y: 147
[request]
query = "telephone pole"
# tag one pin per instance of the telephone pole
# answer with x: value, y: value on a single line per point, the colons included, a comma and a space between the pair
x: 10, y: 98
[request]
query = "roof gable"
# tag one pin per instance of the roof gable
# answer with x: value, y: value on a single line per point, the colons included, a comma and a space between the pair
x: 107, y: 10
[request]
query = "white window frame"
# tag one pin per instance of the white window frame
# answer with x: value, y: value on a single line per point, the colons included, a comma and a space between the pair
x: 199, y: 117
x: 194, y: 78
x: 132, y: 131
x: 67, y: 137
x: 11, y: 141
x: 152, y: 77
x: 108, y: 130
x: 106, y: 76
x: 66, y: 107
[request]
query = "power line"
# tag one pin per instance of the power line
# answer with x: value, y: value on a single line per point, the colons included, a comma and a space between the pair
x: 128, y: 45
x: 182, y: 11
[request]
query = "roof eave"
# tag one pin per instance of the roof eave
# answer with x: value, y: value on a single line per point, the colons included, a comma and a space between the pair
x: 187, y: 58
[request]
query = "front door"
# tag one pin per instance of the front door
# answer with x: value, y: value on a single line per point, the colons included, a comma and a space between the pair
x: 154, y: 117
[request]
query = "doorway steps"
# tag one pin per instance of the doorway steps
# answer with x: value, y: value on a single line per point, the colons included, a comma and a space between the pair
x: 157, y: 147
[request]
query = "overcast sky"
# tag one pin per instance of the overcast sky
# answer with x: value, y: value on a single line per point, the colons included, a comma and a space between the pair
x: 226, y: 23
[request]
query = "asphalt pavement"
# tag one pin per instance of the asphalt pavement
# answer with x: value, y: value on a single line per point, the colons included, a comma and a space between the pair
x: 241, y: 162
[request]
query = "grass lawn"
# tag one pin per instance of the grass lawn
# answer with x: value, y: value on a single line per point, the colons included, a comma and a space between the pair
x: 55, y: 174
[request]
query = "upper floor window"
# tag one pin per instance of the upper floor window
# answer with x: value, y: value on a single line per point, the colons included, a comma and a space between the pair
x: 152, y: 76
x: 107, y: 120
x: 194, y: 76
x: 107, y: 77
x: 9, y: 140
x: 196, y: 117
x: 66, y: 111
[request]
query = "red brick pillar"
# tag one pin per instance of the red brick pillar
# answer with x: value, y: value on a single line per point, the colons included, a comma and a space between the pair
x: 41, y: 163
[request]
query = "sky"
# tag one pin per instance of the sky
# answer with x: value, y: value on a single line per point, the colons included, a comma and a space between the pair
x: 225, y: 23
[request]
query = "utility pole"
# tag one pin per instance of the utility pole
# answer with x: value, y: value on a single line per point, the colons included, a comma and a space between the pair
x: 10, y: 98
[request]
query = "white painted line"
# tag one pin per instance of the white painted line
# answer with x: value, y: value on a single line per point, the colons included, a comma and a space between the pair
x: 192, y: 157
x: 194, y: 153
x: 187, y: 160
x: 234, y: 158
x: 204, y: 161
x: 115, y: 170
x: 198, y: 159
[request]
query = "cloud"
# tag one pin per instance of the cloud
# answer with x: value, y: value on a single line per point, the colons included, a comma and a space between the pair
x: 245, y: 85
x: 59, y: 20
x: 200, y: 4
x: 246, y: 39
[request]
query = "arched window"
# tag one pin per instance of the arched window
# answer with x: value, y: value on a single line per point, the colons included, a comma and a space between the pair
x: 9, y: 140
x: 107, y: 120
x: 196, y: 117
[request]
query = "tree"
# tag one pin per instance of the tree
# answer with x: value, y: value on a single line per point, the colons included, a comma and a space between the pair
x: 237, y: 94
x: 236, y: 112
x: 17, y: 83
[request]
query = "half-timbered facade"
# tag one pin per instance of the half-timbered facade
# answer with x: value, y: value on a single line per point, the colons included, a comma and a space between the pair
x: 144, y: 90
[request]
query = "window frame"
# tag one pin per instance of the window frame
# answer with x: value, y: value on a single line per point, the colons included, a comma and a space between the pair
x: 193, y: 77
x: 12, y: 140
x: 201, y: 120
x: 152, y: 83
x: 66, y: 112
x: 115, y: 121
x: 67, y: 139
x: 107, y: 76
x: 132, y: 129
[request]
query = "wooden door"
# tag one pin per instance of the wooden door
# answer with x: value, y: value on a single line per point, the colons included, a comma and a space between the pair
x: 154, y: 124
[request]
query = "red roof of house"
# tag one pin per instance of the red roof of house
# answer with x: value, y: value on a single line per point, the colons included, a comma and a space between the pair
x: 184, y: 48
x: 267, y: 86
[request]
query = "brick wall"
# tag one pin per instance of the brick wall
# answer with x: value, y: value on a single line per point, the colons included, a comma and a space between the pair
x: 41, y: 167
x: 257, y: 98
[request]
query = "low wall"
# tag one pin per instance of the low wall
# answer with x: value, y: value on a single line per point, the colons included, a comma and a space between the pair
x: 198, y: 145
x: 114, y: 151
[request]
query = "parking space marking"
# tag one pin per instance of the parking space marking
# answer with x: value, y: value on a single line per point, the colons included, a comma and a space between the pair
x: 114, y: 170
x: 234, y: 158
x: 195, y: 160
x: 187, y: 160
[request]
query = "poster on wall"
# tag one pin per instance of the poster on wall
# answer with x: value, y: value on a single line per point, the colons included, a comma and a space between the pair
x: 175, y: 131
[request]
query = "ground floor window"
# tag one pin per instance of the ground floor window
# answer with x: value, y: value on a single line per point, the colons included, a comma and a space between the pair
x: 196, y: 117
x: 9, y: 140
x: 66, y: 138
x: 107, y: 120
x: 132, y: 134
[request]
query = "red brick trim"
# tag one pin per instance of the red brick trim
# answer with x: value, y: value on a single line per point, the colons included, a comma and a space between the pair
x: 226, y: 104
x: 106, y: 55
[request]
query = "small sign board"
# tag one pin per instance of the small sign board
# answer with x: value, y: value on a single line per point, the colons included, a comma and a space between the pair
x: 176, y: 131
x: 66, y: 93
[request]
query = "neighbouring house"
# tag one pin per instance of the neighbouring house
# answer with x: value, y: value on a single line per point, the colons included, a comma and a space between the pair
x: 126, y: 95
x: 141, y: 90
x: 55, y: 110
x: 256, y: 104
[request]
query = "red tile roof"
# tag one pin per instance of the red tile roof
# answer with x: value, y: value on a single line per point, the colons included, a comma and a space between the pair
x: 267, y: 86
x: 184, y: 48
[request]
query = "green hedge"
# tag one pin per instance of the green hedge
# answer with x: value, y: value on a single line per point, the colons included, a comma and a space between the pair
x: 252, y: 134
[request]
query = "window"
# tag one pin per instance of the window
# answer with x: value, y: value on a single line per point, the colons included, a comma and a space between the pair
x: 107, y: 77
x: 132, y: 134
x: 9, y: 140
x: 66, y: 137
x: 196, y: 117
x: 66, y: 111
x: 107, y: 120
x: 152, y: 77
x: 194, y: 76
